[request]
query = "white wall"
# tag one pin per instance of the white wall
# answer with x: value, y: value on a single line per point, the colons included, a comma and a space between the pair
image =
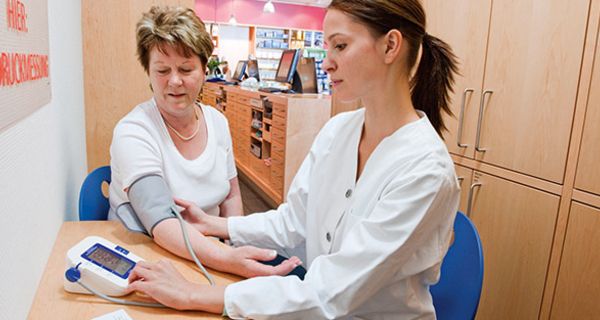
x: 42, y: 165
x: 233, y: 44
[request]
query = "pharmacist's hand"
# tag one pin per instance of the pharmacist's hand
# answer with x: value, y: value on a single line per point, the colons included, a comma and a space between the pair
x: 245, y: 261
x: 163, y: 283
x: 206, y: 224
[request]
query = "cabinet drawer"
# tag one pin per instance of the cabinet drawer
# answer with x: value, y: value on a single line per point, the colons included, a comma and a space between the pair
x: 278, y: 122
x: 277, y: 182
x: 278, y: 136
x: 279, y: 109
x: 278, y: 148
x: 244, y: 100
x: 255, y: 103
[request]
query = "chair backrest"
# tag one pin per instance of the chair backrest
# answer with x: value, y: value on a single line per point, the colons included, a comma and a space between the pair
x: 93, y: 205
x: 456, y: 295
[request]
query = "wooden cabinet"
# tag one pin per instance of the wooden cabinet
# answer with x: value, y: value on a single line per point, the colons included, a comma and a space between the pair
x: 530, y: 76
x: 588, y: 174
x: 578, y: 286
x: 537, y: 134
x: 463, y: 25
x: 465, y: 176
x: 516, y: 225
x: 271, y: 133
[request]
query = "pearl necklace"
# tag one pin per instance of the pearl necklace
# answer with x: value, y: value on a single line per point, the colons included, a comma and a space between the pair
x: 182, y: 137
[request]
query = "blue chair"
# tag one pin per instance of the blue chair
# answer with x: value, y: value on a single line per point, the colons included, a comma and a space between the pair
x: 93, y: 205
x: 456, y: 295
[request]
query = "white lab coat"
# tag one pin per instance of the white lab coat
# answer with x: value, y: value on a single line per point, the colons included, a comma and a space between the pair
x: 373, y: 246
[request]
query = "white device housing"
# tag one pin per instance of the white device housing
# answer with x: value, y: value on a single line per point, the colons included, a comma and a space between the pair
x: 96, y: 275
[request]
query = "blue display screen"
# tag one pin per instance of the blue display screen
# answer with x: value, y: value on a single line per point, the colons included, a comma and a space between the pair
x: 109, y: 260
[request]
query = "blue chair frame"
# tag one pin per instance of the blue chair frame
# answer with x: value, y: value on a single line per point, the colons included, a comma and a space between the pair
x: 456, y: 295
x: 93, y: 205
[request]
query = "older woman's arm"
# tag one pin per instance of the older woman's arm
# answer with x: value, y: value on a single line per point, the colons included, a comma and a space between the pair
x: 243, y: 261
x: 232, y: 205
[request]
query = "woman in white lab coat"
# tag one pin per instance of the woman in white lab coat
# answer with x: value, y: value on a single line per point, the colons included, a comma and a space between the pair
x: 373, y: 202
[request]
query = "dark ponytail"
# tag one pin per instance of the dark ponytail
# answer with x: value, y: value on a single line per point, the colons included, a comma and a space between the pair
x: 432, y: 83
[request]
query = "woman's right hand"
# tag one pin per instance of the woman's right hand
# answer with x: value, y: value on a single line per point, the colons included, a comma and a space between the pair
x: 245, y: 261
x: 208, y: 225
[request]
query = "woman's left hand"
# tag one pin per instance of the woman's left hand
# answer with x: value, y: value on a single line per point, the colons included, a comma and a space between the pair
x: 163, y: 283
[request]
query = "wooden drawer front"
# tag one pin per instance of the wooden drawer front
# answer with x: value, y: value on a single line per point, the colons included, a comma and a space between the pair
x: 255, y: 103
x: 278, y: 122
x: 279, y: 109
x: 244, y: 100
x: 243, y: 118
x: 278, y: 148
x: 277, y: 163
x: 277, y: 184
x: 278, y: 136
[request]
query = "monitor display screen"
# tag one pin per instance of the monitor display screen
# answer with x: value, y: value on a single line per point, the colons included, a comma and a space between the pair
x: 307, y: 75
x: 109, y: 260
x: 252, y: 69
x: 287, y: 65
x: 240, y: 70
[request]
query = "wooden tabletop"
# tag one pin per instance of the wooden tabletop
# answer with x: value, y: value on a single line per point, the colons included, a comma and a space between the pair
x: 53, y: 302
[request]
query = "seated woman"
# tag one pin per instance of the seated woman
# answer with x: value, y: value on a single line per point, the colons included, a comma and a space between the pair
x: 374, y: 201
x: 186, y: 144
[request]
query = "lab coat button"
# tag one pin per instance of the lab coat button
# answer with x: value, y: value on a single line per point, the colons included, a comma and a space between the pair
x: 348, y: 193
x: 328, y: 237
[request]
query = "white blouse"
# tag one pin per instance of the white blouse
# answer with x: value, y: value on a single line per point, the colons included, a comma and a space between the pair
x: 142, y: 146
x: 373, y: 246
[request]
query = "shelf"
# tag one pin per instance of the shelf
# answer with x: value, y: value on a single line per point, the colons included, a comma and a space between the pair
x: 258, y: 109
x: 270, y: 38
x: 256, y: 138
x: 264, y: 48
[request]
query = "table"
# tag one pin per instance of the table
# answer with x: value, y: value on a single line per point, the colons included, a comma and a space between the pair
x: 53, y: 302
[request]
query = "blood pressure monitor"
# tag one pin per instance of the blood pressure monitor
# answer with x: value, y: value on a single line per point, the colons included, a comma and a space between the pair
x: 100, y: 264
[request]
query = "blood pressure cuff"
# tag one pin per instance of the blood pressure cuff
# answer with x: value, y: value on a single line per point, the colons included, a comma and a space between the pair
x: 150, y: 203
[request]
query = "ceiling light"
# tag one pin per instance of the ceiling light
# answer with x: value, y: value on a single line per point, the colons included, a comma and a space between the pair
x: 232, y: 20
x: 269, y: 7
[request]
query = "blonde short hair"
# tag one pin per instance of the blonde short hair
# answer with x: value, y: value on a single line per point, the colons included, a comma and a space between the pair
x: 173, y: 26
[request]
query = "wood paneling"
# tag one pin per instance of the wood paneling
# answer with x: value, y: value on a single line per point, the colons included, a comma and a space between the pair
x: 578, y: 286
x: 466, y: 32
x: 516, y: 225
x: 534, y: 56
x: 588, y: 174
x: 114, y: 81
x: 465, y: 176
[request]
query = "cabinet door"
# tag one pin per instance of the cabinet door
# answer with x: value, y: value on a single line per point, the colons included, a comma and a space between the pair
x: 578, y: 288
x: 588, y: 175
x: 535, y: 50
x: 516, y: 226
x: 464, y: 26
x: 465, y: 176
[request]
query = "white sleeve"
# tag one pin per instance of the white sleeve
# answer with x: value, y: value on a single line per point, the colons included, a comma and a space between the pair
x: 405, y: 234
x: 134, y: 153
x: 280, y: 228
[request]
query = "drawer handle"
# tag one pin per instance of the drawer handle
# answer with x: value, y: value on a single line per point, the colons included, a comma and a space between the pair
x: 478, y: 139
x: 461, y: 118
x: 470, y: 197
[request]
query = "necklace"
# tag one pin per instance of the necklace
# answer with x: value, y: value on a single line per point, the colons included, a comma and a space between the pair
x: 182, y: 137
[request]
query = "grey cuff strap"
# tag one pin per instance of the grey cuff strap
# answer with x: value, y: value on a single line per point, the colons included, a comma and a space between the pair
x: 150, y: 203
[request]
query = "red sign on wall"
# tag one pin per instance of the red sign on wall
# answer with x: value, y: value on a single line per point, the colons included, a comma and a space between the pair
x: 24, y: 66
